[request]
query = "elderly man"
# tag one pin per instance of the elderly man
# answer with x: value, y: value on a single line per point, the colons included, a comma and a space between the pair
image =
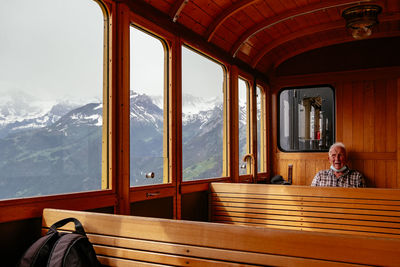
x: 339, y: 174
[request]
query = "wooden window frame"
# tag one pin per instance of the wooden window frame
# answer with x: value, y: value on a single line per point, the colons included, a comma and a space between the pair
x: 166, y: 133
x: 333, y: 118
x: 31, y: 207
x: 116, y: 193
x: 225, y: 148
x: 263, y: 173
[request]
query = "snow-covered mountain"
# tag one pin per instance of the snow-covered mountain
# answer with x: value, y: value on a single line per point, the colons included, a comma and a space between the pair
x: 59, y: 145
x: 145, y: 110
x: 192, y: 105
x: 22, y: 114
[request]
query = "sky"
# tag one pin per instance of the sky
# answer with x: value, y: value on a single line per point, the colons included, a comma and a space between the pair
x: 50, y: 55
x: 53, y: 50
x: 201, y: 76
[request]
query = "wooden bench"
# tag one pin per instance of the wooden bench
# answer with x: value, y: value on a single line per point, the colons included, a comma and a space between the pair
x: 139, y: 241
x: 359, y: 211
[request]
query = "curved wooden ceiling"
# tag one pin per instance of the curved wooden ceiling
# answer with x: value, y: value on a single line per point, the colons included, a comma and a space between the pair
x: 266, y: 33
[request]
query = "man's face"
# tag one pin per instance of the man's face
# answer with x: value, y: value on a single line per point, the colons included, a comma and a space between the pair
x: 337, y: 157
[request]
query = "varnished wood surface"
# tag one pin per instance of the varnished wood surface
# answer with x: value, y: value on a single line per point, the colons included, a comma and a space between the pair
x: 371, y: 212
x: 366, y: 122
x: 121, y: 240
x: 264, y: 34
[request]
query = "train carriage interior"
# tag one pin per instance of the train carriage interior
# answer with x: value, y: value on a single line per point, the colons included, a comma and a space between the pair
x: 136, y: 107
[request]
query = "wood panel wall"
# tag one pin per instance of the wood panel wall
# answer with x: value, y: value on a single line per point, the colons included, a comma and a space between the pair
x: 367, y: 122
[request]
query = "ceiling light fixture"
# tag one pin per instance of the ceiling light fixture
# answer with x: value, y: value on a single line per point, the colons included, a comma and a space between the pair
x: 360, y: 19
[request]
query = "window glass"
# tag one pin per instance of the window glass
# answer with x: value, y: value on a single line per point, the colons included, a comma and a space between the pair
x: 244, y: 129
x: 202, y: 116
x: 147, y: 133
x: 261, y: 144
x: 51, y: 97
x: 306, y: 118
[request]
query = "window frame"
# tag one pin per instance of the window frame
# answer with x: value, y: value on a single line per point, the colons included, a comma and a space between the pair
x: 166, y: 111
x: 249, y: 126
x: 263, y: 170
x: 164, y: 190
x: 32, y: 207
x: 252, y: 132
x: 225, y: 153
x: 334, y: 115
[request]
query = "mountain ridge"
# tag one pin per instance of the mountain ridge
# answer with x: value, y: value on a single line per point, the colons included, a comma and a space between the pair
x: 60, y: 151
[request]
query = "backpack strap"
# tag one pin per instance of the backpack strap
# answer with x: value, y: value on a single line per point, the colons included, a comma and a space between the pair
x: 78, y: 226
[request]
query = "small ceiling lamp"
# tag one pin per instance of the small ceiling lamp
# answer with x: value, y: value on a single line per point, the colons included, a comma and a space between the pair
x: 360, y: 19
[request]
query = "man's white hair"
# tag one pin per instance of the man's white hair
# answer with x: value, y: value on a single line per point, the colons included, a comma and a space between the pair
x: 337, y: 144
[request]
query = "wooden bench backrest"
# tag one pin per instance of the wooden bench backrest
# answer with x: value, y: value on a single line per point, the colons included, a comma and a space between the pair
x: 365, y: 211
x: 138, y: 241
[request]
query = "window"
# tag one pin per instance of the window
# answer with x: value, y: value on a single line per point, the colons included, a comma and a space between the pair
x: 306, y: 118
x: 244, y: 125
x: 51, y: 97
x: 203, y: 82
x: 261, y: 131
x: 148, y: 132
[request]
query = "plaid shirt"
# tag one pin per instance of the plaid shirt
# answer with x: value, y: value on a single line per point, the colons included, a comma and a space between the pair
x: 350, y: 178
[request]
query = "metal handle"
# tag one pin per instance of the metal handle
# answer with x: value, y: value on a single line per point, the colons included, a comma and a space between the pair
x: 152, y: 194
x: 290, y: 173
x: 248, y: 156
x: 150, y: 175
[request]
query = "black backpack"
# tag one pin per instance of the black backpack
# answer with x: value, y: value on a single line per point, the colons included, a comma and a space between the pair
x: 61, y: 249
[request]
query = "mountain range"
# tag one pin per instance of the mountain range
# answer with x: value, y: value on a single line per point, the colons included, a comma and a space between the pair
x: 58, y: 150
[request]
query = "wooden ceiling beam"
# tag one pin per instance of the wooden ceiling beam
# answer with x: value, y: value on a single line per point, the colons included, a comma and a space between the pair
x: 295, y: 35
x: 286, y: 16
x: 156, y: 16
x: 233, y: 9
x: 334, y: 41
x: 310, y: 31
x: 177, y: 9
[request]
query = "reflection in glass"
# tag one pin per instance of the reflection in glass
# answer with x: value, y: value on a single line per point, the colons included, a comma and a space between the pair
x: 146, y: 109
x: 260, y: 136
x: 306, y: 119
x: 51, y: 97
x: 202, y: 116
x: 244, y: 129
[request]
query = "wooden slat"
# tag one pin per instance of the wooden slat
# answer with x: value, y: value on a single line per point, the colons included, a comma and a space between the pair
x: 358, y: 118
x: 242, y: 244
x: 232, y: 256
x: 315, y: 209
x: 380, y: 115
x: 311, y: 229
x: 305, y: 219
x: 383, y: 213
x: 160, y: 258
x: 318, y: 201
x: 271, y: 259
x: 260, y: 212
x: 330, y: 204
x: 347, y: 115
x: 110, y: 261
x: 356, y: 193
x: 391, y: 114
x: 335, y: 225
x: 355, y: 211
x: 369, y: 119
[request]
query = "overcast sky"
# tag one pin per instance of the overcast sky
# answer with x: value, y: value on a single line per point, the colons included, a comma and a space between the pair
x: 56, y: 53
x: 51, y: 52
